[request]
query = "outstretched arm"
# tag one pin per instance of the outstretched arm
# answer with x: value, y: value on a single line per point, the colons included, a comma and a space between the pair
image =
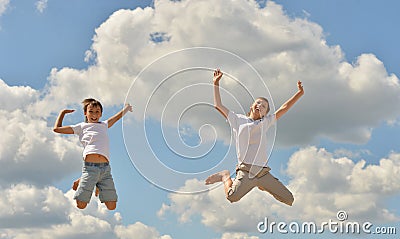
x: 217, y: 97
x: 113, y: 119
x: 58, y: 128
x: 289, y: 103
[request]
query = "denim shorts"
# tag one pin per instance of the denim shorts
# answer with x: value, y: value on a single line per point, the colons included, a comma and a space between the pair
x: 96, y: 174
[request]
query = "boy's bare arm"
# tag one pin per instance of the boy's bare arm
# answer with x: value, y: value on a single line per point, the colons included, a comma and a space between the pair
x: 289, y: 103
x: 217, y: 96
x: 113, y: 119
x: 58, y: 128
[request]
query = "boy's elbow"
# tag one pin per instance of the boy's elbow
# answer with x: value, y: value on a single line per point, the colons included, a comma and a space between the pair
x: 57, y: 130
x: 217, y: 107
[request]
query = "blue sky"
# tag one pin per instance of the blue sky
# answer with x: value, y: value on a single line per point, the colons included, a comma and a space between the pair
x: 337, y: 149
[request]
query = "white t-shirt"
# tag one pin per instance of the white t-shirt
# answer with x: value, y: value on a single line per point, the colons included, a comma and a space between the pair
x: 94, y: 138
x: 251, y: 137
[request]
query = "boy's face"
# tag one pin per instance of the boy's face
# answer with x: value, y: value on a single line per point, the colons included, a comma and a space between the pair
x: 93, y: 113
x: 259, y: 108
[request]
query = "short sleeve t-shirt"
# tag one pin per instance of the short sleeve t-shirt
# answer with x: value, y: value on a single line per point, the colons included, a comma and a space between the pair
x: 94, y: 138
x: 251, y: 137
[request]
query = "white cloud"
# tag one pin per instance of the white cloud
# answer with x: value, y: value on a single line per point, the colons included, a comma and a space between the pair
x: 16, y: 97
x: 30, y: 212
x: 337, y: 103
x: 322, y: 185
x: 139, y: 231
x: 237, y: 236
x: 33, y: 152
x: 3, y: 6
x: 48, y: 213
x: 27, y: 206
x: 41, y: 5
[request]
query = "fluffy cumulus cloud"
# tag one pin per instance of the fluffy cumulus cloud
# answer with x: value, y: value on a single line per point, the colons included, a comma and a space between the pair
x: 31, y: 212
x: 16, y: 97
x: 25, y: 206
x: 343, y: 101
x: 322, y: 185
x: 32, y: 152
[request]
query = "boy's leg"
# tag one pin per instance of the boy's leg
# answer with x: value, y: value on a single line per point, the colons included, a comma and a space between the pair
x: 76, y: 184
x: 241, y: 185
x: 223, y: 176
x: 236, y: 189
x: 107, y: 194
x: 80, y: 204
x: 111, y: 205
x: 272, y: 185
x: 86, y: 183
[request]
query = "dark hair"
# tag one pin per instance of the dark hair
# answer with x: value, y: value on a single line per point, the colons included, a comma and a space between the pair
x: 92, y: 102
x: 262, y: 98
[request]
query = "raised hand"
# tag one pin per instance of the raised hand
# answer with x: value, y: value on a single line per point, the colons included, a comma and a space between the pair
x: 217, y: 76
x: 67, y: 111
x: 300, y: 86
x: 128, y: 107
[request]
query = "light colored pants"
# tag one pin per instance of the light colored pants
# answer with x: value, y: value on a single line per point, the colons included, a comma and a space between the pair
x: 243, y: 183
x: 96, y: 174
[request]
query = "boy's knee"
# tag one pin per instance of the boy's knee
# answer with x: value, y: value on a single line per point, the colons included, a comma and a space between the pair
x: 288, y: 200
x: 233, y: 197
x: 112, y: 205
x: 80, y: 204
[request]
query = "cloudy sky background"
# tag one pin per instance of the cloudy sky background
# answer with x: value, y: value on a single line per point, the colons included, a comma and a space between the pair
x: 337, y: 149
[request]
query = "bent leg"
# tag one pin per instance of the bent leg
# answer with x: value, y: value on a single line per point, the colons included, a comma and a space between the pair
x: 86, y: 183
x: 111, y: 205
x: 272, y: 185
x: 76, y: 184
x: 241, y: 185
x: 80, y: 204
x: 223, y: 176
x: 107, y: 194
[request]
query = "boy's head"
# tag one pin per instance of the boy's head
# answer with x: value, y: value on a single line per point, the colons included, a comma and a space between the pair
x: 92, y: 109
x: 259, y: 108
